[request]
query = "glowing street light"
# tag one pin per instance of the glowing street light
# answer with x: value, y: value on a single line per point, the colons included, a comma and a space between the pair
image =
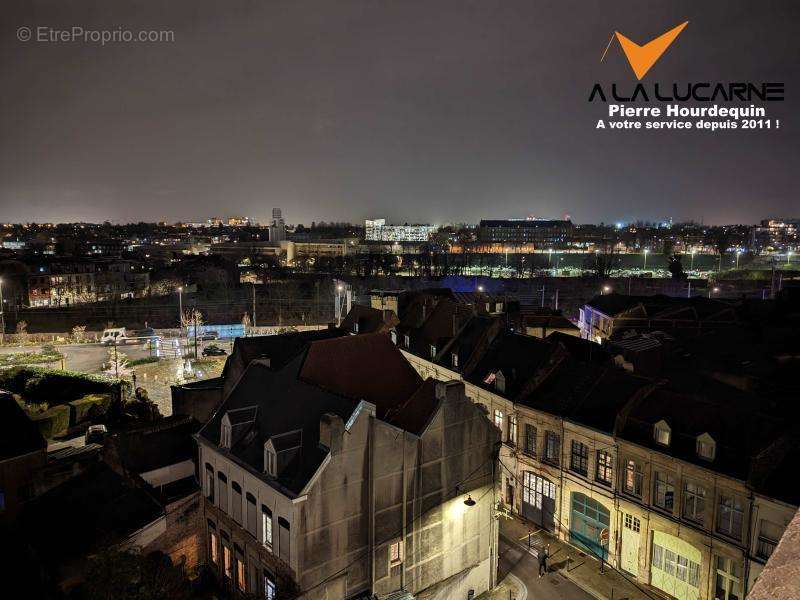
x: 606, y: 289
x: 788, y: 257
x: 714, y: 290
x: 549, y: 256
x: 480, y: 288
x: 180, y: 305
x: 646, y: 251
x: 691, y: 267
x: 738, y: 254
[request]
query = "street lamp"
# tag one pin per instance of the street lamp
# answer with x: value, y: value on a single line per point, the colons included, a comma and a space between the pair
x: 788, y: 257
x: 646, y: 250
x: 691, y: 267
x: 180, y: 306
x: 480, y: 288
x: 2, y: 315
x: 738, y: 253
x: 469, y: 501
x: 606, y: 289
x: 713, y: 290
x: 549, y: 256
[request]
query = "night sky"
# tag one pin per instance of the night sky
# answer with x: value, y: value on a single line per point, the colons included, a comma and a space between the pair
x: 418, y: 111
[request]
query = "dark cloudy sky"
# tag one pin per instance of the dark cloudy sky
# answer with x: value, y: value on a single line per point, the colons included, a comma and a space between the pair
x: 416, y: 110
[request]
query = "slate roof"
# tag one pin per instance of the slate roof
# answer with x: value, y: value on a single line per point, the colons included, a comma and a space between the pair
x: 696, y: 404
x: 93, y: 510
x: 280, y: 349
x: 165, y: 442
x: 586, y: 393
x: 329, y: 376
x: 660, y: 306
x: 18, y: 434
x: 368, y: 319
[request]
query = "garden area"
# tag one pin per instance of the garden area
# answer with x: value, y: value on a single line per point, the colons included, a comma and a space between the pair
x: 47, y: 356
x: 67, y: 402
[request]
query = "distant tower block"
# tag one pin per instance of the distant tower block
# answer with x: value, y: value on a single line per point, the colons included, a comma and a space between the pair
x: 277, y: 229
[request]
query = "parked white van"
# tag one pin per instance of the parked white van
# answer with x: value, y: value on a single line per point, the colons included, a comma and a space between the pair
x: 117, y: 336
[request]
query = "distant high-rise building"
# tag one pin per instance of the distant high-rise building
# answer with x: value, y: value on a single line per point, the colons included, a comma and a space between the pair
x: 377, y: 230
x: 540, y: 232
x: 277, y: 229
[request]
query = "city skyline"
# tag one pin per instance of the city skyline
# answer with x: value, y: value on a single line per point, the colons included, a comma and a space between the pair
x: 453, y: 113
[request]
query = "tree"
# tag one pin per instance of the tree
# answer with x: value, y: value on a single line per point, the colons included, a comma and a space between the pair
x: 117, y: 364
x: 130, y: 574
x: 246, y: 323
x: 676, y: 267
x: 22, y: 332
x: 603, y: 261
x: 79, y: 333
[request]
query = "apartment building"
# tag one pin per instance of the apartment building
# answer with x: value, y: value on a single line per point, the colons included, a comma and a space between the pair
x: 677, y: 481
x: 610, y: 315
x: 331, y: 469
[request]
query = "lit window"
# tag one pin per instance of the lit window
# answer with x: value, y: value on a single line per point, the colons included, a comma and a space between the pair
x: 454, y: 359
x: 604, y: 467
x: 407, y: 341
x: 241, y: 579
x: 266, y: 526
x: 512, y: 430
x: 214, y: 555
x: 269, y: 587
x: 633, y: 478
x: 498, y: 419
x: 433, y: 351
x: 395, y: 553
x: 226, y: 556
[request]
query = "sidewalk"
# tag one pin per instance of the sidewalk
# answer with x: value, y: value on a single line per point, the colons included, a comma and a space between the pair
x: 510, y: 588
x: 575, y: 565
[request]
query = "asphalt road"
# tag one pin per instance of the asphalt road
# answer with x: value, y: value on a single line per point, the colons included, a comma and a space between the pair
x: 89, y: 358
x: 553, y: 586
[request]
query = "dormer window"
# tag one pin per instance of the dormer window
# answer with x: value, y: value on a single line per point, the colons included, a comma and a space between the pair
x: 662, y: 433
x: 706, y: 447
x: 355, y: 327
x: 454, y: 359
x: 433, y: 351
x: 270, y: 459
x: 225, y: 433
x: 500, y: 382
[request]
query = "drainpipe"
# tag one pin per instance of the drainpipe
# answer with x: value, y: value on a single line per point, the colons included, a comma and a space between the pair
x: 405, y: 504
x: 371, y: 441
x: 749, y: 545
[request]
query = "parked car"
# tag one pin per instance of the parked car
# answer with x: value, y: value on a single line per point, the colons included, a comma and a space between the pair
x: 96, y: 434
x: 214, y: 351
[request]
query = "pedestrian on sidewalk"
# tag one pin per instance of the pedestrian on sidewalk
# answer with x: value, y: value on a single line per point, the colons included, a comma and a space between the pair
x: 544, y: 553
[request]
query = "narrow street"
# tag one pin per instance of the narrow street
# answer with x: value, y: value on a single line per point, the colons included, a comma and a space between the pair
x: 516, y: 562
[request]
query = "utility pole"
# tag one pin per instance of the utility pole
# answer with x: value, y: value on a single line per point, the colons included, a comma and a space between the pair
x: 254, y: 304
x: 2, y: 316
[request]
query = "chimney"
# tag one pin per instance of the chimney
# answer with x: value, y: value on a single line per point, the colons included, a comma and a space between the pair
x: 449, y: 390
x: 331, y: 430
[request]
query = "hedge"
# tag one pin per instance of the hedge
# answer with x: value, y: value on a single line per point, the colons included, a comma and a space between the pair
x: 52, y: 422
x: 39, y: 384
x: 89, y: 407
